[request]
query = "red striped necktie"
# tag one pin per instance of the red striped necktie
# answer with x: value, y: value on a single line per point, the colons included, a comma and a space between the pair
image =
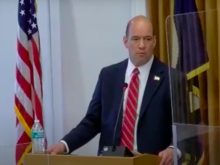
x: 127, y: 138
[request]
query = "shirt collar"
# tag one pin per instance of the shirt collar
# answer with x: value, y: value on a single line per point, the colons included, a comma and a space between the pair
x: 144, y: 69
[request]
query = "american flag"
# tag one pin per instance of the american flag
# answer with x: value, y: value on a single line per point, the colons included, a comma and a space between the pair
x: 28, y: 84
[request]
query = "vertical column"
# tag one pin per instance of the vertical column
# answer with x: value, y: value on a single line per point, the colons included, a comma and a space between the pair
x: 56, y: 64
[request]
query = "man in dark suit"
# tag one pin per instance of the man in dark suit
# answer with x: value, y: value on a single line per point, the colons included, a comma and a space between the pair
x: 145, y: 124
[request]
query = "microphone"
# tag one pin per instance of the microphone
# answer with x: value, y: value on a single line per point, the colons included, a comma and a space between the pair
x: 119, y: 111
x: 117, y: 150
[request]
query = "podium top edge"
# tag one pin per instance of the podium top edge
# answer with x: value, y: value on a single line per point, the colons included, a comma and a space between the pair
x: 83, y: 156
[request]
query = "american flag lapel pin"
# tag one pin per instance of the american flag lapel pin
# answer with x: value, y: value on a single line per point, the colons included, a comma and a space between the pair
x: 156, y: 78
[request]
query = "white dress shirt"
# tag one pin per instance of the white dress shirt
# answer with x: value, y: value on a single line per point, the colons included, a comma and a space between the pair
x: 144, y: 71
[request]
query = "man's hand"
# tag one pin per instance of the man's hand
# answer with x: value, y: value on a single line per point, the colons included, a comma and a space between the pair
x: 57, y: 149
x: 167, y: 156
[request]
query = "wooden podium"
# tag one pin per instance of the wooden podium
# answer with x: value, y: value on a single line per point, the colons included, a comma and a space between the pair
x: 43, y: 159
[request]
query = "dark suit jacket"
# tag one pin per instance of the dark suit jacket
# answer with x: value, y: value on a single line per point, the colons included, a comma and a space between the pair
x: 154, y: 132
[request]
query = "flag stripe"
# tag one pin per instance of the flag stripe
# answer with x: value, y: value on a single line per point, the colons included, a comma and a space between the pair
x: 37, y: 68
x: 22, y: 82
x: 22, y: 39
x: 36, y: 42
x: 24, y: 100
x: 23, y: 68
x: 22, y: 105
x: 37, y: 108
x: 19, y: 128
x: 23, y: 54
x: 36, y: 57
x: 37, y: 84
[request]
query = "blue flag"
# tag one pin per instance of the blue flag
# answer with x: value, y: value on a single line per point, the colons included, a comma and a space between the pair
x: 192, y: 61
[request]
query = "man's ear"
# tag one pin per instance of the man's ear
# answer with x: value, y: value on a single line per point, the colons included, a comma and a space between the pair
x: 125, y: 41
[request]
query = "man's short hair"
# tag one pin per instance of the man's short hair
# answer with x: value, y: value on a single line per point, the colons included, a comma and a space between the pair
x: 128, y: 27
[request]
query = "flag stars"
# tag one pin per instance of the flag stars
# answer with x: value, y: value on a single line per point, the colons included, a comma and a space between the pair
x: 35, y: 15
x: 22, y: 12
x: 33, y: 25
x: 29, y: 31
x: 22, y: 2
x: 29, y: 21
x: 27, y: 17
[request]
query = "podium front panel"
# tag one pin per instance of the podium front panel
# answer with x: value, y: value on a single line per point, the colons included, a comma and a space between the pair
x: 36, y: 159
x: 21, y: 154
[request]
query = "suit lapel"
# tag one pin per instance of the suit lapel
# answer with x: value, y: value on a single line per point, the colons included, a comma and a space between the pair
x: 154, y: 80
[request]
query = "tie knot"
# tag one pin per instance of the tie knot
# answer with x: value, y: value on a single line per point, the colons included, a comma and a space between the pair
x: 136, y: 71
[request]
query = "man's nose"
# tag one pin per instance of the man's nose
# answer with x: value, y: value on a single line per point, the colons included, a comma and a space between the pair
x: 142, y: 44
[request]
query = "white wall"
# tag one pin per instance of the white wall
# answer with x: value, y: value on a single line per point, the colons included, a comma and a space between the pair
x: 78, y: 38
x: 7, y: 71
x: 92, y: 33
x: 91, y: 37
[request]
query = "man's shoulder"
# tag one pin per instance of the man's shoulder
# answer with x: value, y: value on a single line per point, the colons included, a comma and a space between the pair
x: 161, y: 66
x: 171, y: 71
x: 115, y: 66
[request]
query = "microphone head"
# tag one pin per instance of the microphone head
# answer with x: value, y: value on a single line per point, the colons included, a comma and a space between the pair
x: 125, y: 86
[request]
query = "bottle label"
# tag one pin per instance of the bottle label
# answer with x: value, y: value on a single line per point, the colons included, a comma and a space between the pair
x: 37, y: 135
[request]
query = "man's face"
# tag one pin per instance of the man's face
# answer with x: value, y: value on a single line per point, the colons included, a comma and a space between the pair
x: 140, y: 42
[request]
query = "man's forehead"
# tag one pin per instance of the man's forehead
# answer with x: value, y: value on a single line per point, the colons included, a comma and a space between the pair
x: 141, y: 31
